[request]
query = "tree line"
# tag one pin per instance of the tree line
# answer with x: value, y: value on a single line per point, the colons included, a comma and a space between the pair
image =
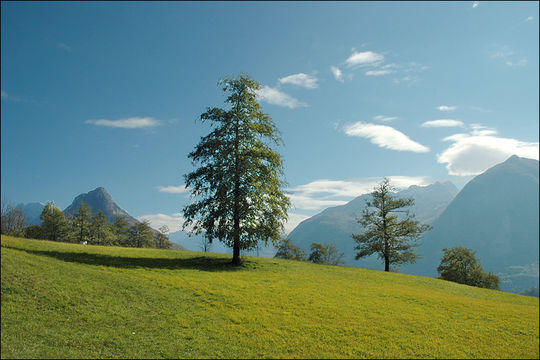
x: 83, y: 228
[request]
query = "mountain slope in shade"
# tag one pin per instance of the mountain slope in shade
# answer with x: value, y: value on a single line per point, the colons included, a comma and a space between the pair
x: 336, y: 224
x: 495, y: 214
x: 32, y: 211
x: 99, y: 199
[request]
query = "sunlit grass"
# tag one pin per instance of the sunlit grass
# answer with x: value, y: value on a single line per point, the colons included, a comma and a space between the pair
x: 71, y: 301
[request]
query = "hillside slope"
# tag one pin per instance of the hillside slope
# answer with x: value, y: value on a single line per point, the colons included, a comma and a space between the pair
x: 71, y: 301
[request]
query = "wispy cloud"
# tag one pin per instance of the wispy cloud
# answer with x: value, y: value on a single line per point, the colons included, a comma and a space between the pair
x: 475, y: 4
x: 338, y: 74
x: 173, y: 189
x: 446, y: 108
x: 378, y: 72
x: 385, y: 118
x: 127, y: 123
x: 293, y: 221
x: 507, y: 56
x: 363, y: 58
x: 385, y: 137
x: 174, y: 222
x: 474, y: 152
x: 63, y: 46
x: 408, y: 80
x: 323, y: 193
x: 279, y: 98
x: 530, y: 18
x: 301, y: 79
x: 443, y: 123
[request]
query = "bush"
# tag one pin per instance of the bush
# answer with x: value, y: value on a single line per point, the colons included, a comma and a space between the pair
x: 460, y: 265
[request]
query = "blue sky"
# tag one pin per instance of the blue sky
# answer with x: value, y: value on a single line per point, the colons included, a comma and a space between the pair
x: 108, y: 94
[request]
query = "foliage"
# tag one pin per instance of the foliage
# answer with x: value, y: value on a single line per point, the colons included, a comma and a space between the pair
x: 141, y: 235
x: 102, y: 231
x: 63, y: 300
x: 79, y: 224
x: 53, y: 223
x: 121, y: 230
x: 389, y: 236
x: 33, y: 232
x: 238, y: 184
x: 325, y: 254
x: 13, y: 220
x: 286, y: 250
x: 162, y: 239
x: 460, y: 265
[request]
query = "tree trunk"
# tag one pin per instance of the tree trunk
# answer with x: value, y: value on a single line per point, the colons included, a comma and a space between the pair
x: 236, y: 243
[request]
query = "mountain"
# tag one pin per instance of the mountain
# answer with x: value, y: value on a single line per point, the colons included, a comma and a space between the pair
x: 495, y: 214
x: 32, y: 211
x: 336, y: 224
x: 99, y: 199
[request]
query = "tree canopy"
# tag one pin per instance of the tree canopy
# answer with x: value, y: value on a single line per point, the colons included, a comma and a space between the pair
x: 386, y: 234
x: 238, y: 184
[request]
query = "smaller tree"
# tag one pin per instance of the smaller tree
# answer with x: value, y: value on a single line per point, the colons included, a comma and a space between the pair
x: 325, y: 254
x: 121, y: 230
x: 141, y: 235
x: 205, y: 244
x: 460, y: 265
x: 386, y: 234
x: 286, y: 250
x: 101, y: 231
x: 79, y: 224
x: 53, y: 223
x: 162, y: 238
x: 13, y: 220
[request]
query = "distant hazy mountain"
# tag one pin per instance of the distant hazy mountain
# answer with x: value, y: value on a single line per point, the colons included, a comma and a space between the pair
x: 99, y: 199
x: 32, y: 211
x: 495, y: 214
x: 336, y: 224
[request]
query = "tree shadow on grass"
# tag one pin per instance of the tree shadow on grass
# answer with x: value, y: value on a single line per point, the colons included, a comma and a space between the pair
x: 203, y: 263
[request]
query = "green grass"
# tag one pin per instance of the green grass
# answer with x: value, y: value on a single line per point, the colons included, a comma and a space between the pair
x: 72, y: 301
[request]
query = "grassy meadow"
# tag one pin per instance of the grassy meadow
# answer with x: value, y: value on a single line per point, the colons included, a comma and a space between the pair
x: 75, y: 301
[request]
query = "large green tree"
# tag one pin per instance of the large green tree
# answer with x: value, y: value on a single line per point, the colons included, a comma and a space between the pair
x: 286, y: 250
x: 102, y: 231
x: 238, y: 185
x: 141, y: 235
x: 390, y: 229
x: 53, y: 223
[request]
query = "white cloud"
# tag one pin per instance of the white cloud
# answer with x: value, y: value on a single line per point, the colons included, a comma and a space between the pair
x: 530, y: 18
x: 364, y: 58
x: 293, y: 221
x: 385, y: 137
x: 173, y: 189
x: 301, y: 79
x: 174, y: 222
x: 378, y: 72
x: 309, y: 203
x: 475, y: 4
x: 338, y: 74
x: 446, y: 108
x: 520, y: 62
x: 127, y: 123
x: 323, y: 193
x: 276, y: 97
x: 385, y: 118
x: 474, y: 152
x: 443, y: 123
x: 406, y: 80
